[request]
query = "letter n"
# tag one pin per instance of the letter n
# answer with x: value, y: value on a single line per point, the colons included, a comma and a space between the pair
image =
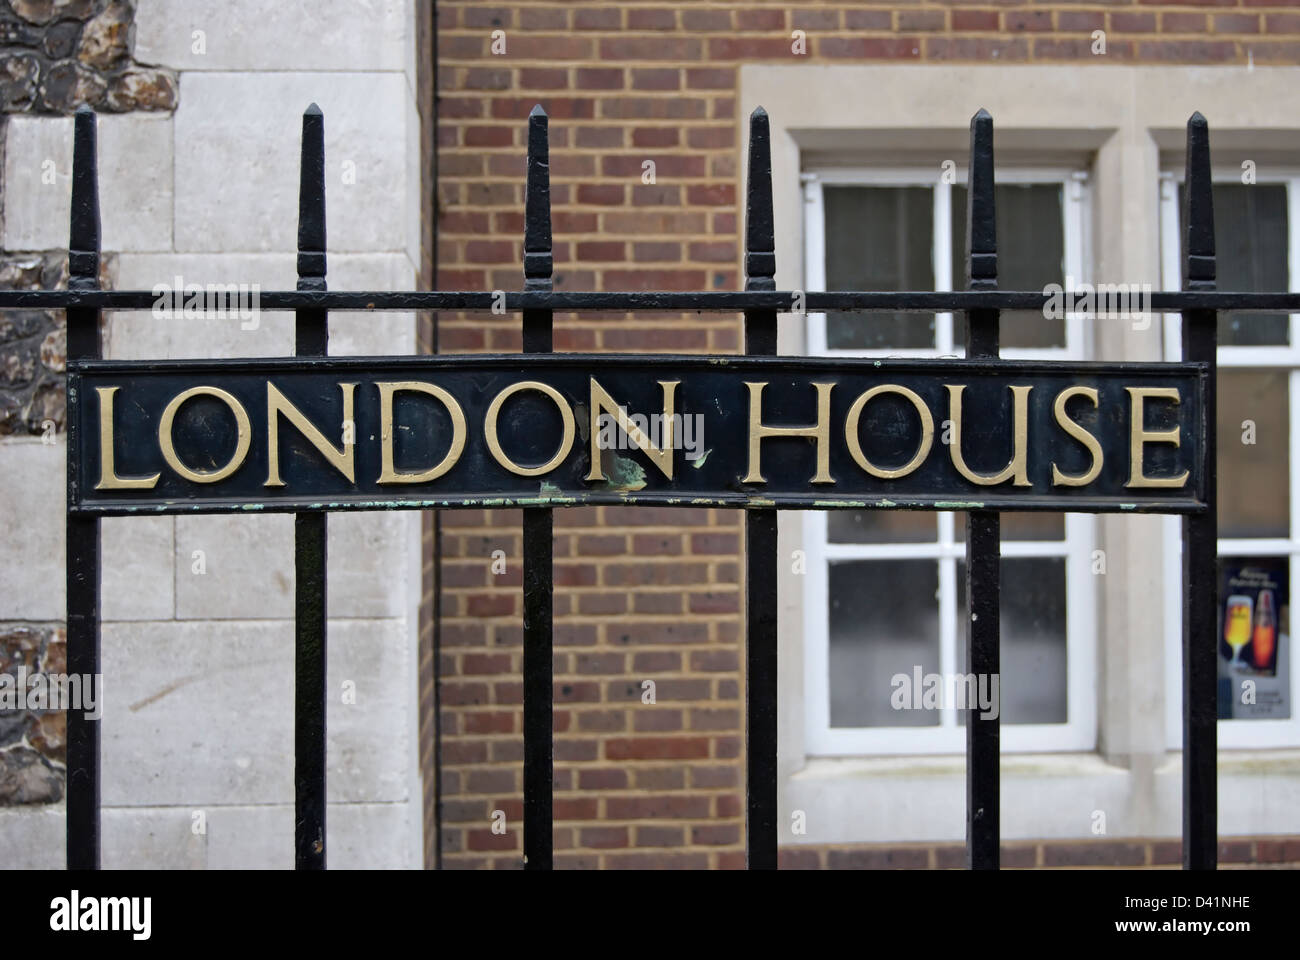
x: 341, y: 458
x: 660, y: 456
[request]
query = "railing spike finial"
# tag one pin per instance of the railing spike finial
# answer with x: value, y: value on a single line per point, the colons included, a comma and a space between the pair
x: 538, y: 530
x: 539, y: 263
x: 83, y: 544
x: 760, y: 529
x: 311, y: 202
x: 981, y: 218
x: 760, y: 227
x: 1199, y: 203
x: 310, y: 540
x: 84, y: 233
x: 983, y: 527
x: 1200, y: 531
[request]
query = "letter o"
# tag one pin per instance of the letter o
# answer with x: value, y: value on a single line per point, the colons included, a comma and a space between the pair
x: 855, y: 445
x: 494, y: 445
x: 242, y: 444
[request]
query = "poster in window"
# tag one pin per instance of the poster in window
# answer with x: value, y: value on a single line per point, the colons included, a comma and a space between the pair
x: 1254, y: 639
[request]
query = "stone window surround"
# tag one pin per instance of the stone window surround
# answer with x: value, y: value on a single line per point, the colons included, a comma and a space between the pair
x: 1126, y: 124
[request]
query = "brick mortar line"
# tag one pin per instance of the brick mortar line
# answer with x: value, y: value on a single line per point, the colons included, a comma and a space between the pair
x: 1050, y: 8
x: 587, y: 122
x: 616, y: 264
x: 484, y: 60
x: 631, y: 617
x: 656, y: 675
x: 602, y: 650
x: 601, y: 762
x: 879, y: 6
x: 1128, y: 59
x: 499, y: 322
x: 599, y: 591
x: 700, y: 92
x: 633, y: 557
x: 624, y: 706
x: 630, y: 675
x: 733, y: 33
x: 505, y: 323
x: 841, y: 6
x: 594, y: 92
x: 602, y: 562
x: 609, y: 706
x: 602, y: 587
x: 467, y: 558
x: 576, y: 207
x: 602, y: 179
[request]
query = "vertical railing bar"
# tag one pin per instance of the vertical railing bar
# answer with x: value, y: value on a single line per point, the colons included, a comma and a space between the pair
x: 82, y: 532
x: 311, y: 339
x: 1200, y: 531
x: 983, y: 528
x: 760, y: 530
x: 538, y: 669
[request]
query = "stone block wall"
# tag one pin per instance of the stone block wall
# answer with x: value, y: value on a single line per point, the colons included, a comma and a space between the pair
x: 200, y: 109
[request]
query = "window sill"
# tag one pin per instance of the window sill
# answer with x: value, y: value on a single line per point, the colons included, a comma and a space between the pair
x: 1044, y: 796
x: 1012, y: 765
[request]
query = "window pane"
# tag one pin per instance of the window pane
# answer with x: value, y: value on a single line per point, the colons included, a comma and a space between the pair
x: 1031, y: 254
x: 1254, y: 453
x: 1250, y: 230
x: 1032, y: 684
x: 879, y: 238
x: 884, y: 621
x: 1020, y: 526
x: 881, y: 526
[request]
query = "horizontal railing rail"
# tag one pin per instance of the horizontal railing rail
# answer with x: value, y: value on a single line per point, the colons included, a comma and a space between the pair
x: 782, y: 301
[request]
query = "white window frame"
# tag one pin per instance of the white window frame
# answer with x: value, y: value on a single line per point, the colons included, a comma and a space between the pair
x: 1079, y: 732
x: 1074, y: 191
x: 1244, y: 733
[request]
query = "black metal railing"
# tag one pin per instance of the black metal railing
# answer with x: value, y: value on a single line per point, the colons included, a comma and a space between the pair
x: 760, y: 302
x: 983, y: 527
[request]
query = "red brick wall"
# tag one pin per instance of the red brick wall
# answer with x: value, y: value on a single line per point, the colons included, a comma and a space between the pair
x: 655, y: 593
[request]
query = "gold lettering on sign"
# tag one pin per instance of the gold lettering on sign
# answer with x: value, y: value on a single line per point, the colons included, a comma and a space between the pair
x: 341, y: 459
x: 1139, y: 436
x: 855, y: 445
x: 494, y: 444
x: 1019, y: 445
x: 242, y: 443
x: 602, y: 402
x: 387, y: 473
x: 108, y: 478
x: 759, y: 432
x: 1060, y: 479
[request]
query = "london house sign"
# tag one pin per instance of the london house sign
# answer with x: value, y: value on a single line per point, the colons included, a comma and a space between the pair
x: 370, y: 433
